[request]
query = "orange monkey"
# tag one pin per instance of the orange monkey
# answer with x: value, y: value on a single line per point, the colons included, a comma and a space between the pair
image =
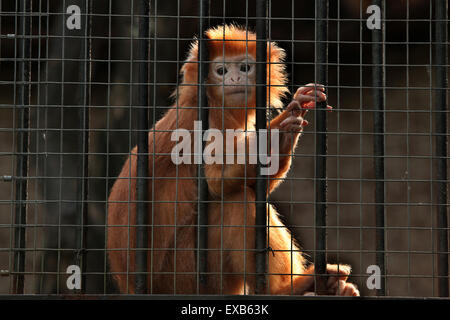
x: 231, y: 212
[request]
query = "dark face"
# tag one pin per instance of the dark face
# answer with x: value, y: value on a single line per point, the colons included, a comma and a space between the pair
x: 234, y: 78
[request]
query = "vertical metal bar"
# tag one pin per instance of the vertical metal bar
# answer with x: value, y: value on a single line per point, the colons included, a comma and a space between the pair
x: 261, y: 124
x: 441, y: 143
x: 22, y: 148
x: 203, y: 117
x: 85, y: 54
x: 430, y: 137
x: 153, y: 75
x: 142, y: 157
x: 321, y: 52
x: 108, y: 133
x: 37, y: 142
x: 177, y: 173
x: 131, y: 113
x: 224, y: 12
x: 62, y: 138
x: 378, y: 83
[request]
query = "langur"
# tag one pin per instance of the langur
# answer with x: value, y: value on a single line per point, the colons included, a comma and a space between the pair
x: 172, y: 216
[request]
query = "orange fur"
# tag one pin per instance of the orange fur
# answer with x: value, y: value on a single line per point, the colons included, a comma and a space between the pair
x: 173, y: 195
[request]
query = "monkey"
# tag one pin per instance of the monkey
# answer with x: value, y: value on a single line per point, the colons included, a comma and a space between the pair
x: 172, y: 216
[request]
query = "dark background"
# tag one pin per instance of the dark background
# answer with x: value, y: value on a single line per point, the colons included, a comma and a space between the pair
x: 55, y: 162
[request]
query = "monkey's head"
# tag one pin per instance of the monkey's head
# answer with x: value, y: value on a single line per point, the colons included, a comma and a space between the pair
x: 232, y: 68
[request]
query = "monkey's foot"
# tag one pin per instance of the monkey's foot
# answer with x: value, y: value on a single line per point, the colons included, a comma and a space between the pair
x: 336, y: 283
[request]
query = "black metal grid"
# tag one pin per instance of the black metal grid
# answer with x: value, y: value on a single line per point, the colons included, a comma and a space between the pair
x: 75, y: 102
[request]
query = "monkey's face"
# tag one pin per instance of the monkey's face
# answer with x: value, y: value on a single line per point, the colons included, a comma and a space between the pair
x: 233, y: 80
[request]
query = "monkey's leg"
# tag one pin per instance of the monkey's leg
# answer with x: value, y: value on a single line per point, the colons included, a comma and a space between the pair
x: 231, y: 239
x: 287, y: 272
x: 288, y: 266
x: 231, y: 258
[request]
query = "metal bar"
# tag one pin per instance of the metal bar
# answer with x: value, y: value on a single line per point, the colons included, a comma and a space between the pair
x: 261, y: 124
x: 441, y: 143
x: 203, y: 117
x: 153, y: 76
x: 85, y: 53
x: 142, y: 157
x: 23, y: 100
x: 153, y: 8
x: 321, y: 52
x: 379, y: 99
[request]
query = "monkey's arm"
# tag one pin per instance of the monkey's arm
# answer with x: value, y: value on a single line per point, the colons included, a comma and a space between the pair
x: 290, y: 123
x: 229, y: 178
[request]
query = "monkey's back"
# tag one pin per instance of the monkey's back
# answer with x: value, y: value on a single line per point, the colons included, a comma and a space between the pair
x: 172, y: 194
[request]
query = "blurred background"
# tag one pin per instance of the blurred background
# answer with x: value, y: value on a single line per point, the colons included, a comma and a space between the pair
x: 55, y: 166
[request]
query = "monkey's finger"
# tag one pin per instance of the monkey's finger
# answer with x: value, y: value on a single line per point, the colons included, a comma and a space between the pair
x: 311, y: 105
x: 333, y: 287
x: 317, y: 95
x: 351, y: 290
x: 291, y: 109
x: 340, y: 287
x: 291, y: 121
x: 307, y: 100
x: 293, y: 129
x: 309, y: 87
x: 298, y: 111
x: 331, y: 283
x: 312, y: 97
x: 294, y: 107
x: 339, y: 271
x: 346, y: 289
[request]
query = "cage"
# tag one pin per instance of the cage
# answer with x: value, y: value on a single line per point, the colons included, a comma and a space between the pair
x: 84, y: 82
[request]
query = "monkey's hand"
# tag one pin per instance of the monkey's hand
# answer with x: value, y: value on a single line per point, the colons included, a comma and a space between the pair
x: 291, y: 121
x: 336, y: 283
x: 305, y: 98
x: 308, y: 95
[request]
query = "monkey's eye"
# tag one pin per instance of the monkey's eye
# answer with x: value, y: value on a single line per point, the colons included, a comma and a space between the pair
x: 221, y: 71
x: 245, y: 67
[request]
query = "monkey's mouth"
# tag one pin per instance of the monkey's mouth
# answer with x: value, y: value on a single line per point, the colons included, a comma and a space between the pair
x: 238, y: 90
